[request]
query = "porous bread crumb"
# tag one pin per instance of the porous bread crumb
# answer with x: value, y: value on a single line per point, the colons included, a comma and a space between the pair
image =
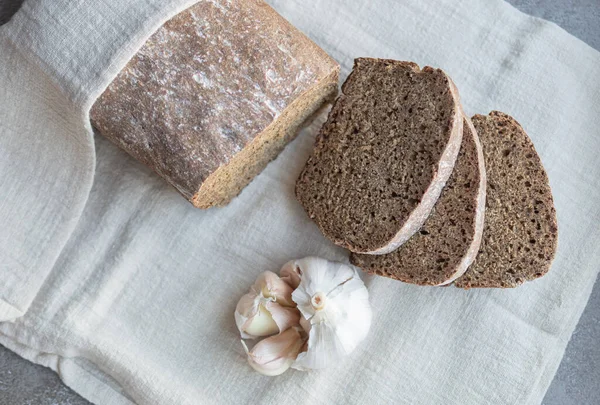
x: 383, y: 156
x: 520, y: 235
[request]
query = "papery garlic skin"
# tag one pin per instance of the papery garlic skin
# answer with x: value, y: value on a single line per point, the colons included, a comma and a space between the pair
x: 306, y: 326
x: 274, y: 355
x: 290, y: 273
x: 271, y: 285
x: 267, y: 309
x: 335, y: 302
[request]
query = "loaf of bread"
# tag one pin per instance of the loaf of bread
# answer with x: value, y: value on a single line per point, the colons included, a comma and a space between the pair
x: 214, y: 95
x: 450, y: 238
x: 520, y: 235
x: 382, y: 158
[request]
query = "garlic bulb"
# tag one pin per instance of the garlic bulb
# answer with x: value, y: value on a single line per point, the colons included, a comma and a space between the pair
x: 267, y: 309
x: 334, y: 304
x: 274, y: 355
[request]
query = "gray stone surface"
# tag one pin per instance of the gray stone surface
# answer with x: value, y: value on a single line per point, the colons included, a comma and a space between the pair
x: 580, y: 18
x: 577, y: 381
x: 8, y: 8
x: 24, y: 383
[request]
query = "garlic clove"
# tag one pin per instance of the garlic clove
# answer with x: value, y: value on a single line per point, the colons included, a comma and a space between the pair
x: 261, y: 323
x: 246, y: 308
x: 284, y: 317
x: 271, y: 286
x: 291, y: 274
x: 274, y: 355
x: 257, y: 316
x: 260, y: 312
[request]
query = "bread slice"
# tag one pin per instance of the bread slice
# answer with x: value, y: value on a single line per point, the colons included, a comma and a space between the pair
x: 214, y: 95
x: 449, y: 240
x: 520, y: 235
x: 382, y: 158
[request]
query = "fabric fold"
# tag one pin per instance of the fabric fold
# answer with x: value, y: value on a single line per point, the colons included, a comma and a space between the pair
x: 46, y: 173
x: 57, y: 58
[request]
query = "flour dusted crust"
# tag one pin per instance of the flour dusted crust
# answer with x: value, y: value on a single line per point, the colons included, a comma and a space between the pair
x: 449, y: 240
x: 214, y: 95
x: 384, y: 155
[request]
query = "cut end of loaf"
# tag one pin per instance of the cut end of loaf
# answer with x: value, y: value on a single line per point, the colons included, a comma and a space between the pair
x: 229, y: 180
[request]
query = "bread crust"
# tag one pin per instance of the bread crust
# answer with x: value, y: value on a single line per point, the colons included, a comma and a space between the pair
x: 473, y: 250
x: 205, y: 86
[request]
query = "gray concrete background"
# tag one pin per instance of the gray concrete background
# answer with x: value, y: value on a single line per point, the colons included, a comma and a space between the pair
x: 577, y: 381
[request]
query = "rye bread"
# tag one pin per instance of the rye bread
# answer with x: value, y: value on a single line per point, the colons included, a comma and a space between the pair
x: 520, y: 235
x: 449, y: 240
x: 384, y: 155
x: 214, y: 95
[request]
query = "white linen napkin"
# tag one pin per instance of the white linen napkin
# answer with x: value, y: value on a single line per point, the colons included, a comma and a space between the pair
x: 128, y: 292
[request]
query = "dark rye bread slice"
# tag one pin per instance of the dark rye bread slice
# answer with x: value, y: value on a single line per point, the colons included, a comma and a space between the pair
x: 520, y: 235
x: 449, y: 241
x: 384, y: 155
